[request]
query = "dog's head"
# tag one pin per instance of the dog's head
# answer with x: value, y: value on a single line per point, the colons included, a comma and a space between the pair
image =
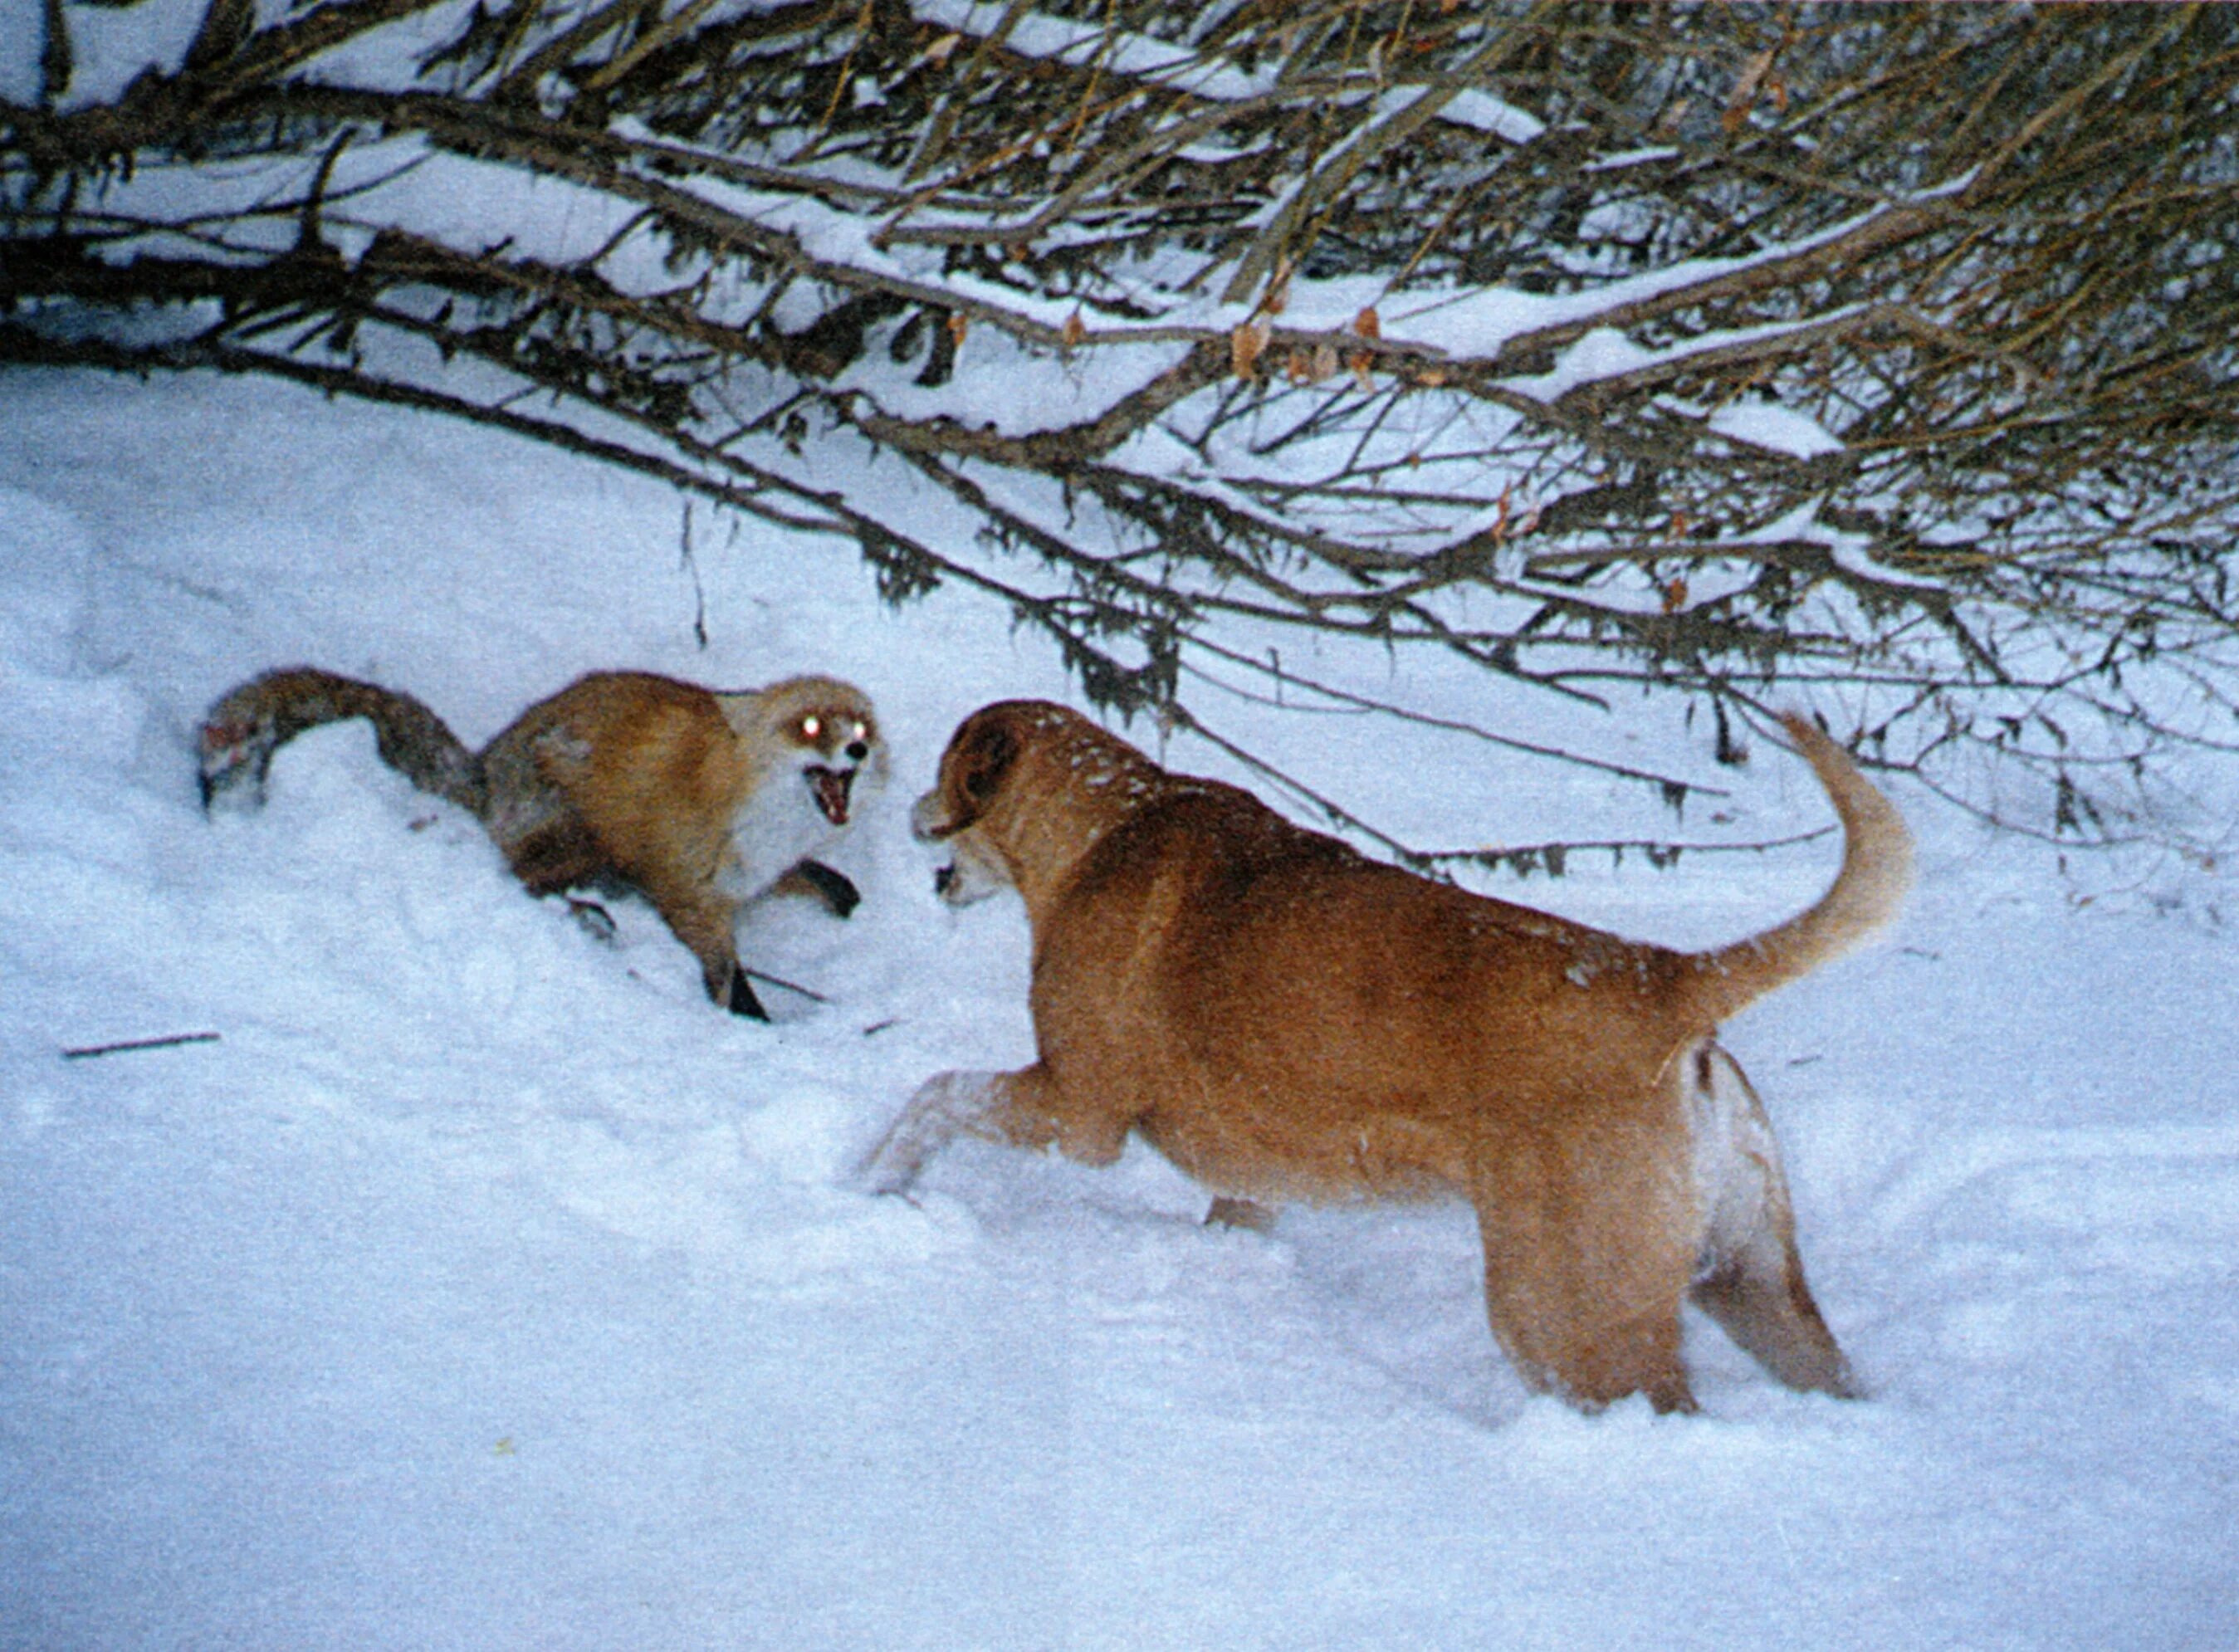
x: 980, y: 757
x: 1025, y: 789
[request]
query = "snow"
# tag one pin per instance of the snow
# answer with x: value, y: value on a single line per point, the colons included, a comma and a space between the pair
x: 1776, y: 428
x: 1121, y: 51
x: 480, y: 1286
x: 1605, y: 353
x: 1486, y: 113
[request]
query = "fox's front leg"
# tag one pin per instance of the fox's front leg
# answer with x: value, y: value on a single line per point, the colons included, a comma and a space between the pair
x: 706, y: 922
x: 836, y: 890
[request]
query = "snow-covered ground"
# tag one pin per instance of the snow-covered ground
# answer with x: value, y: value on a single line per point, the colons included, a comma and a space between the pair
x: 479, y: 1285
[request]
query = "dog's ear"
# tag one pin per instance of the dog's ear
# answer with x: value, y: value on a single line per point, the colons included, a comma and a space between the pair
x: 982, y: 760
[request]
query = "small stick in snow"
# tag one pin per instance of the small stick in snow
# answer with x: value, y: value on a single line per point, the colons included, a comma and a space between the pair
x: 790, y: 986
x: 87, y: 1053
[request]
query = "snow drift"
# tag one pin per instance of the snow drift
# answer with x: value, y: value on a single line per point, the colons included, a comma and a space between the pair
x: 478, y: 1286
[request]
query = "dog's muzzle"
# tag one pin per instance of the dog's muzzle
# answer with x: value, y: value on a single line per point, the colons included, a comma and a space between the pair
x: 926, y: 826
x: 964, y: 878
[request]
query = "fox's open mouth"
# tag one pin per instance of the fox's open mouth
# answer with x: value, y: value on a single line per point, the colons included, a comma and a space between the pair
x: 830, y: 788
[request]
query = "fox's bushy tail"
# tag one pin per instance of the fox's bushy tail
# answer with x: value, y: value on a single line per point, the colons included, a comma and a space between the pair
x: 243, y: 729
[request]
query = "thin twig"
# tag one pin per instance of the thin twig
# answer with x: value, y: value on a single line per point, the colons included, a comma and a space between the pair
x: 90, y: 1051
x: 790, y: 986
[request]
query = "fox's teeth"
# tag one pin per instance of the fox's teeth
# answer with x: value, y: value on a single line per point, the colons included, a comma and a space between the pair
x: 830, y: 788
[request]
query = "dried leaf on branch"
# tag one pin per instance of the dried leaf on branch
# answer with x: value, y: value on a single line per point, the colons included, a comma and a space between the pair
x: 1877, y: 355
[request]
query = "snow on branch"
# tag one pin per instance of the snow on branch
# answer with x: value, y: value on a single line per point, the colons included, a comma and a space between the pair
x: 1877, y: 357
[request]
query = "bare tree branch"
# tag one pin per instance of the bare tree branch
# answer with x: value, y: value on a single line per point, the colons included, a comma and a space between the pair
x: 1730, y: 352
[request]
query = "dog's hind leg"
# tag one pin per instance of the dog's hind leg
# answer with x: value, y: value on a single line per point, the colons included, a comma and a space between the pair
x: 1585, y: 1265
x: 1752, y: 1275
x: 1579, y: 1337
x: 1759, y: 1297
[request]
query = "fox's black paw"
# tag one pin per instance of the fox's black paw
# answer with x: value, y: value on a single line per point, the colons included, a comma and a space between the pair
x: 836, y: 889
x: 742, y: 998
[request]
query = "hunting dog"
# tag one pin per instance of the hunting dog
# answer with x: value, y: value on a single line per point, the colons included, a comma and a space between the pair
x: 1284, y: 1018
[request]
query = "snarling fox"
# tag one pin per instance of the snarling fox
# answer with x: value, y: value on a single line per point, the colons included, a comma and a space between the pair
x: 701, y: 800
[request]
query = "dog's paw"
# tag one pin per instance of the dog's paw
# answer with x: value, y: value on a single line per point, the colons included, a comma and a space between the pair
x: 1228, y: 1213
x: 945, y: 1104
x: 889, y: 1170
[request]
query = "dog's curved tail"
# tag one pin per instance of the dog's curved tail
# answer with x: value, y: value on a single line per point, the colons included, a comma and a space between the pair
x: 1876, y: 874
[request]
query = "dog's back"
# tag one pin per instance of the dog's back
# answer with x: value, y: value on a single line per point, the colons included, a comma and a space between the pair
x: 1331, y: 1027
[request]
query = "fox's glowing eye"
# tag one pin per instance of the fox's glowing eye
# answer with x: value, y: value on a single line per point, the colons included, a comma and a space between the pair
x: 811, y: 727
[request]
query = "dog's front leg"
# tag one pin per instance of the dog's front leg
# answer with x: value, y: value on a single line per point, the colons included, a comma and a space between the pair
x: 973, y: 1104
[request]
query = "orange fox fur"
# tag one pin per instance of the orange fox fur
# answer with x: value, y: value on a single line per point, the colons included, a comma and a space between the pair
x: 1285, y: 1018
x: 703, y: 801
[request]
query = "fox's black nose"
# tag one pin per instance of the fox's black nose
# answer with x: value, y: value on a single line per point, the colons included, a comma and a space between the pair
x: 858, y: 751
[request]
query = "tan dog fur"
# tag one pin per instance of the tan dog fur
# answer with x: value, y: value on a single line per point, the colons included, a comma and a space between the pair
x: 1286, y: 1019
